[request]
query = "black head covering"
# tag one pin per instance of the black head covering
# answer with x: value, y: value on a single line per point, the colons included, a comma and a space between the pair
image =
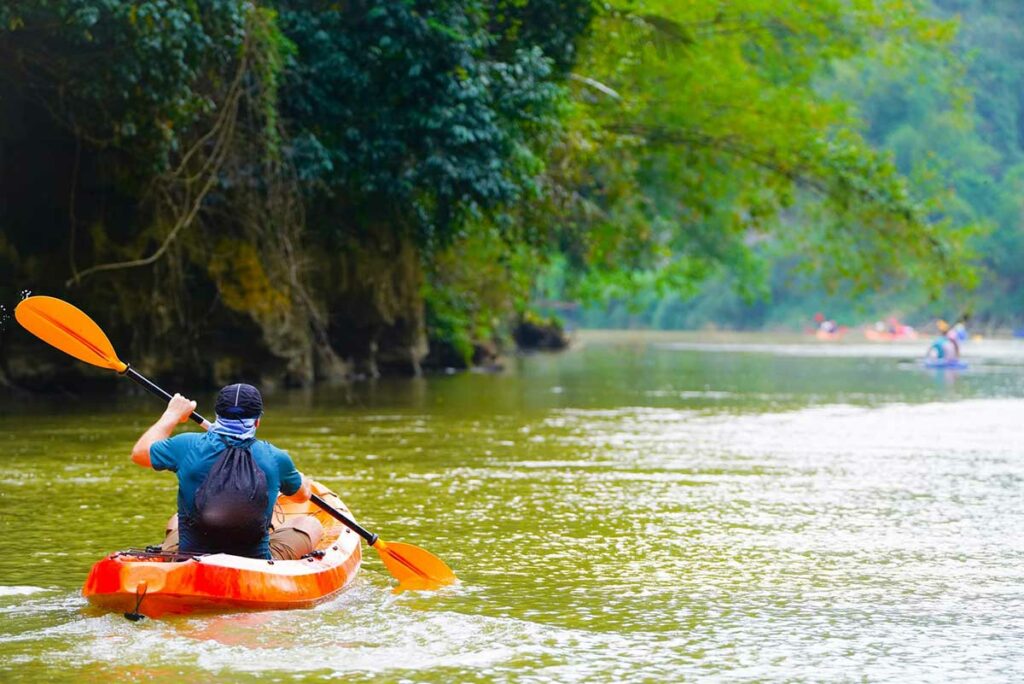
x: 239, y: 401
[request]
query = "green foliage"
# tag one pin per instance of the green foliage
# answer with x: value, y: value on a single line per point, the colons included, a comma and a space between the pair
x: 243, y: 155
x: 953, y: 122
x: 475, y: 288
x: 122, y: 74
x: 943, y: 208
x: 226, y: 151
x: 729, y: 144
x: 964, y: 120
x: 553, y: 26
x: 404, y: 109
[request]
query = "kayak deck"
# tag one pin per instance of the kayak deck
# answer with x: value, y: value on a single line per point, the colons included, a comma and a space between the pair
x: 155, y: 584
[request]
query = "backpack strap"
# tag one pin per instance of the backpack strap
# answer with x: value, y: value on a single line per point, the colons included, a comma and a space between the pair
x: 244, y: 444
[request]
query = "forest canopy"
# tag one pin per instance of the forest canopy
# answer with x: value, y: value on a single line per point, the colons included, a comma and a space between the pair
x: 952, y: 118
x: 297, y: 191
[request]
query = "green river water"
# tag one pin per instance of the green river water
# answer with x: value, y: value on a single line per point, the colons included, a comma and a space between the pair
x: 650, y: 508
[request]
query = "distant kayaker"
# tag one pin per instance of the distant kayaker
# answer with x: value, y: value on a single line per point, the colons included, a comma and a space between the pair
x: 825, y: 325
x: 228, y: 481
x: 946, y: 347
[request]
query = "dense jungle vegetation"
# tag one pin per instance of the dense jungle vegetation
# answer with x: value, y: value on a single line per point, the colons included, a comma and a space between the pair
x: 953, y: 121
x: 296, y: 191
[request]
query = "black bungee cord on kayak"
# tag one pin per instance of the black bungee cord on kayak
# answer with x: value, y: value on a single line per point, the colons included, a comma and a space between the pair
x: 140, y: 593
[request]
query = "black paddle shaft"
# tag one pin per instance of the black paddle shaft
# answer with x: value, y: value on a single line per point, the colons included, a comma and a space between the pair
x: 158, y: 391
x: 370, y: 537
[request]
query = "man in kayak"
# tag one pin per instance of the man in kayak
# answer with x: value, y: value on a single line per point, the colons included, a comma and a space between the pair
x: 946, y: 347
x: 228, y: 481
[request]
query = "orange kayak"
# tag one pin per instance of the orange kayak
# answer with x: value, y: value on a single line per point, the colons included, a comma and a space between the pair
x: 830, y: 336
x: 886, y: 336
x: 155, y: 584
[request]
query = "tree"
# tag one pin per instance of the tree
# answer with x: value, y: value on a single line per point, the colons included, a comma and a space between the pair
x: 705, y: 133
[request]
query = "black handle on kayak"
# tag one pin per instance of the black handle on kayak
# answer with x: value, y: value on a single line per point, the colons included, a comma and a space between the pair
x: 370, y: 537
x: 150, y: 386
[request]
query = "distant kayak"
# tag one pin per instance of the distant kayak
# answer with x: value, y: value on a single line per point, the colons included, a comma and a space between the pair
x: 944, y: 364
x: 831, y: 335
x: 886, y: 336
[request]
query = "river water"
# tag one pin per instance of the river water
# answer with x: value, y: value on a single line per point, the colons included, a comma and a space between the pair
x: 641, y: 508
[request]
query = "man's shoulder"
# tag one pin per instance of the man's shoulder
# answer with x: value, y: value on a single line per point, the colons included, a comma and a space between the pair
x: 170, y: 453
x: 187, y: 437
x: 182, y: 440
x: 186, y: 440
x: 271, y: 449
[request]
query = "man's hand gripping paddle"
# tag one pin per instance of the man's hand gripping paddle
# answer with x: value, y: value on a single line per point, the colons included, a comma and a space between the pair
x: 69, y: 329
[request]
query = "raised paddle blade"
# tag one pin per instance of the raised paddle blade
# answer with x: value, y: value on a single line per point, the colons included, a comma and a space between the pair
x: 414, y: 568
x: 69, y: 329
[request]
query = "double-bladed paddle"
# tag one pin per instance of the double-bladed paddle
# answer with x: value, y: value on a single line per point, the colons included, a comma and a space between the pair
x: 72, y: 331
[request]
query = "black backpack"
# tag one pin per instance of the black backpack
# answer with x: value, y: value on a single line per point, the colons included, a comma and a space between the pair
x: 231, y: 504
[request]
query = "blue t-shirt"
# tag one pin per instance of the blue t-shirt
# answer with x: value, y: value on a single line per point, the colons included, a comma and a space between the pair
x: 192, y: 454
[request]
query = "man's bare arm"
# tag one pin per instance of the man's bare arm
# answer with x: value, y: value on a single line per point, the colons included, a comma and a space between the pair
x: 178, y: 410
x: 303, y: 493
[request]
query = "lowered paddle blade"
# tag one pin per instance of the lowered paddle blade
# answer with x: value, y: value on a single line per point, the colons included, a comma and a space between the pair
x: 67, y: 328
x: 413, y: 567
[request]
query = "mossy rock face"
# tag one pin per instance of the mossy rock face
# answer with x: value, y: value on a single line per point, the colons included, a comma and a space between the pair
x: 533, y: 334
x: 221, y: 314
x: 374, y: 308
x: 37, y: 368
x: 445, y: 356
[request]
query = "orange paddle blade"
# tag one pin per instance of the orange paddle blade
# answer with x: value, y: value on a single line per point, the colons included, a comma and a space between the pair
x: 413, y: 567
x: 69, y: 329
